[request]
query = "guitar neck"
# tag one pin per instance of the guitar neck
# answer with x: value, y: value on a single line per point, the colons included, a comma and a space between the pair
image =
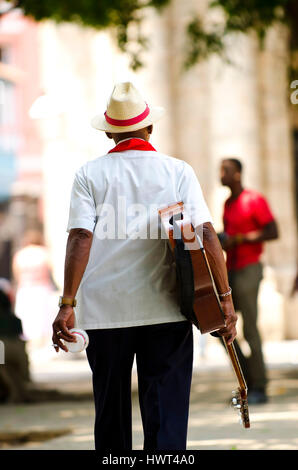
x: 235, y: 363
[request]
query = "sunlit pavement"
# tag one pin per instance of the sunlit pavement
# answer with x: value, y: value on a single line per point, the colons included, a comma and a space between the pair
x: 213, y: 424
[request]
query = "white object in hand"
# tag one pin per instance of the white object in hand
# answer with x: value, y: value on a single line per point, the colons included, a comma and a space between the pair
x: 82, y: 341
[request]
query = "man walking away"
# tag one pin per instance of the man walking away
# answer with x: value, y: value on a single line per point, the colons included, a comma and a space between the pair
x: 123, y: 277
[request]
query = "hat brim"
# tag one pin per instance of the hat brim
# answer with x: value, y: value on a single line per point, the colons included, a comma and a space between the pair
x: 99, y: 122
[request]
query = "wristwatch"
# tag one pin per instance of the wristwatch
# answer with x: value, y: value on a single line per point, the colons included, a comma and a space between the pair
x: 67, y: 301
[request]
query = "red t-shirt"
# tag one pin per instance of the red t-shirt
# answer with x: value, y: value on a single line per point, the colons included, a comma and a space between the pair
x: 247, y: 213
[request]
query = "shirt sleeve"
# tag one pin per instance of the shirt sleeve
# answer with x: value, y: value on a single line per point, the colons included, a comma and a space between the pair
x: 192, y: 196
x: 261, y: 211
x: 82, y: 211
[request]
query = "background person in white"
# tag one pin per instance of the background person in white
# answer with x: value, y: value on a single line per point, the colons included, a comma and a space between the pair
x: 125, y: 284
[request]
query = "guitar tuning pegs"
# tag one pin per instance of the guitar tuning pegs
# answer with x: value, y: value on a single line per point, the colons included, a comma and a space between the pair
x: 234, y: 393
x: 237, y: 408
x: 234, y: 401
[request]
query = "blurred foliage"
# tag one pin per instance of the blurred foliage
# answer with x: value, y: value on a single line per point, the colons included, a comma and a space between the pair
x: 244, y: 16
x: 126, y: 17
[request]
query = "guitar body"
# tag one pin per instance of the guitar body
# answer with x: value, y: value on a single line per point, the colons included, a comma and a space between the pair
x: 199, y: 300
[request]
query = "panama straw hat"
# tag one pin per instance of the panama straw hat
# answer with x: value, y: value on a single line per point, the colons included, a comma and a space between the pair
x: 126, y: 111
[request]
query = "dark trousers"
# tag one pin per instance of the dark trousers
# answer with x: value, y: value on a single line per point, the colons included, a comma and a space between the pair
x: 164, y: 358
x: 245, y: 287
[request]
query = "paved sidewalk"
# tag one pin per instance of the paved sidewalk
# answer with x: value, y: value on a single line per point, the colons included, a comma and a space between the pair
x: 68, y: 425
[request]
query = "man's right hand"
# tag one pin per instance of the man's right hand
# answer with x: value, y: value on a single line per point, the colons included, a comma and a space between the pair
x: 64, y: 321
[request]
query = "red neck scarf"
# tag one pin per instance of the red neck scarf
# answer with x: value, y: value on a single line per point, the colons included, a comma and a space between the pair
x: 133, y: 144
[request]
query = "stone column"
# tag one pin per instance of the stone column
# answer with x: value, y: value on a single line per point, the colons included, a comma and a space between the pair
x: 235, y: 126
x: 278, y: 164
x: 70, y: 57
x: 189, y: 95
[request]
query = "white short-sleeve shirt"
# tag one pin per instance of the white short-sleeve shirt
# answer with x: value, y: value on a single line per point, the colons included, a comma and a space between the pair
x: 130, y: 278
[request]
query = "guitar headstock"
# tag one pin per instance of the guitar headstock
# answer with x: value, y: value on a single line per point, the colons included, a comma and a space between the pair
x: 239, y: 402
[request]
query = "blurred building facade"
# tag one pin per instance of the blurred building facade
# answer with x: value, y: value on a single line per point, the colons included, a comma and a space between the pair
x: 20, y: 143
x: 65, y: 77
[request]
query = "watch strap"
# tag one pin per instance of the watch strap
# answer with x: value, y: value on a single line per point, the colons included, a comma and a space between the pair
x: 67, y: 301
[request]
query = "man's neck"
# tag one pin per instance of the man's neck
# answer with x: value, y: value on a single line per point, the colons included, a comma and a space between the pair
x: 236, y: 190
x: 128, y: 138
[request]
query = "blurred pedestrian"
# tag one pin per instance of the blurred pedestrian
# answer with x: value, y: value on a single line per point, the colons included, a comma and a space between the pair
x: 248, y: 223
x: 34, y: 289
x: 126, y: 300
x: 14, y: 373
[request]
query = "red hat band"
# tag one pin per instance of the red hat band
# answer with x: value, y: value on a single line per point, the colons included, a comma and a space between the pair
x: 128, y: 122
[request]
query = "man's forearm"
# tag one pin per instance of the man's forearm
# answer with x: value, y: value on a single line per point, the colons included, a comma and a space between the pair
x: 216, y: 258
x: 76, y: 259
x: 269, y: 232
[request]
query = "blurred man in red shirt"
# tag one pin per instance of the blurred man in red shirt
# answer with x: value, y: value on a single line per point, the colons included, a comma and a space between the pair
x: 248, y: 222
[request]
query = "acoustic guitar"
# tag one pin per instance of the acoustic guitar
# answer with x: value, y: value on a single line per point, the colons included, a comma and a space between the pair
x: 198, y: 296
